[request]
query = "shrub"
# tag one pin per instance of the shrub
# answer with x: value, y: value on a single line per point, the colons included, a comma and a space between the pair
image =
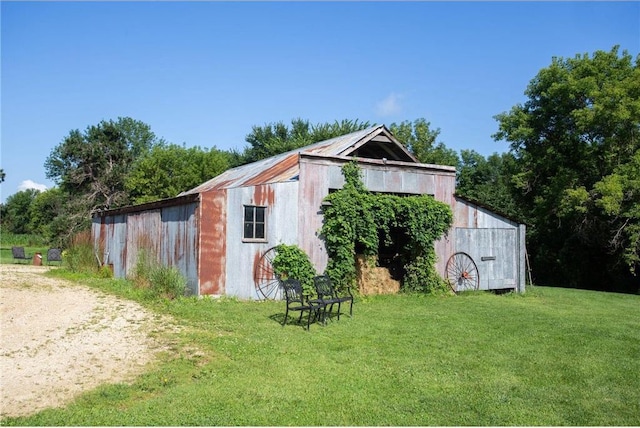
x: 167, y: 281
x: 291, y: 262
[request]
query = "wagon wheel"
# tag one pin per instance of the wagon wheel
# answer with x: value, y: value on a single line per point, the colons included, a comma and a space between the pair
x: 265, y: 279
x: 462, y: 273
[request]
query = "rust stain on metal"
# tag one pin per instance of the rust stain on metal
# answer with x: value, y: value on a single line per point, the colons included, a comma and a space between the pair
x: 270, y: 174
x: 256, y: 261
x: 264, y: 195
x: 213, y: 240
x: 222, y: 185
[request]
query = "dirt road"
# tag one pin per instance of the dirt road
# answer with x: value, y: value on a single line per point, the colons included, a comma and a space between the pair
x: 59, y: 339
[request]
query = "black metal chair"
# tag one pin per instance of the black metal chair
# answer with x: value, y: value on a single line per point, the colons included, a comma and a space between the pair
x: 347, y: 296
x: 19, y: 254
x: 297, y: 302
x: 326, y: 294
x: 54, y: 255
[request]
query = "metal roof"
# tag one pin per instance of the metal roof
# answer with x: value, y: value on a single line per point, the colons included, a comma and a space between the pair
x: 375, y: 142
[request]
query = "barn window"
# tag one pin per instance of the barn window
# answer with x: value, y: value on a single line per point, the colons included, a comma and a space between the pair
x: 254, y: 223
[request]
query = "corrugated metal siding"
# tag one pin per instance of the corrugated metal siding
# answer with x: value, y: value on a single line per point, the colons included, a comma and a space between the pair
x: 499, y: 249
x: 317, y: 176
x: 284, y: 167
x: 179, y: 241
x: 468, y: 214
x: 169, y: 234
x: 315, y: 181
x: 213, y: 243
x: 281, y: 228
x: 109, y: 236
x: 480, y: 232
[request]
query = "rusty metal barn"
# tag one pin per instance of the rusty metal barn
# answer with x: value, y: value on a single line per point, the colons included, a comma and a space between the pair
x: 221, y: 234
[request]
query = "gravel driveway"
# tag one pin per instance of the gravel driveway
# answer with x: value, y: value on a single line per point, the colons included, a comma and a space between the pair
x: 59, y: 339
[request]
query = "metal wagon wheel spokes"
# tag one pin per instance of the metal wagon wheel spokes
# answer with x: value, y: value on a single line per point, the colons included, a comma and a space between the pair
x: 462, y: 273
x: 267, y: 284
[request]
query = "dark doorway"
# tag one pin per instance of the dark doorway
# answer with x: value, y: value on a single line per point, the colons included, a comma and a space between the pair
x: 393, y: 255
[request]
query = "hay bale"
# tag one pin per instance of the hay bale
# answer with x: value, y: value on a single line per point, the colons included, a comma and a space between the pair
x: 374, y: 279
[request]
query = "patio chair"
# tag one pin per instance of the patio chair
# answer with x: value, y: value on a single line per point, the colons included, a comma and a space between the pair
x: 297, y: 302
x: 325, y: 287
x: 19, y: 254
x: 326, y: 294
x: 54, y: 255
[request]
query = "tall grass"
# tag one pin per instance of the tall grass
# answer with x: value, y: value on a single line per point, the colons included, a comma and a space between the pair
x: 81, y: 256
x: 551, y: 357
x: 159, y: 280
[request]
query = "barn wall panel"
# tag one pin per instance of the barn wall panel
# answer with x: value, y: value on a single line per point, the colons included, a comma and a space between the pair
x: 281, y: 228
x: 120, y: 238
x: 212, y: 244
x: 143, y: 234
x: 109, y: 238
x: 315, y: 182
x: 495, y: 253
x: 179, y: 243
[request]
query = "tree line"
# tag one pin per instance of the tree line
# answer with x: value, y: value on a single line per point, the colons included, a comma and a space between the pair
x: 572, y: 173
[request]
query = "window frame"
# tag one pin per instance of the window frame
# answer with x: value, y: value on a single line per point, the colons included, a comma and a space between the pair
x: 254, y: 222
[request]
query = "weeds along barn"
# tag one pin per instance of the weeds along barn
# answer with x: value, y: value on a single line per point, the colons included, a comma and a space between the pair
x: 221, y: 234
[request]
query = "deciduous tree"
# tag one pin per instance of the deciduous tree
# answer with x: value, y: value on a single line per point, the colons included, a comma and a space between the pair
x: 90, y: 168
x: 275, y: 138
x: 488, y: 181
x: 420, y: 140
x: 16, y: 211
x: 577, y: 139
x: 168, y: 169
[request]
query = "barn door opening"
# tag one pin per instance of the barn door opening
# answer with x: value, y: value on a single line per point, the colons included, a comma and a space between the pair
x: 393, y: 256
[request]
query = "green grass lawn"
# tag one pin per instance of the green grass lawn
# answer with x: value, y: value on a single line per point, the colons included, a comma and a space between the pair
x: 551, y: 357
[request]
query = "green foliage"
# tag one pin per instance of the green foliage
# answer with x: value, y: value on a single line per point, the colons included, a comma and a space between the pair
x: 156, y: 279
x: 93, y: 165
x: 105, y: 272
x: 575, y: 140
x: 420, y: 140
x: 355, y: 219
x: 167, y: 282
x: 421, y: 277
x: 169, y: 169
x: 79, y: 257
x: 16, y: 211
x: 90, y: 169
x: 489, y: 181
x: 275, y: 138
x: 291, y: 262
x: 25, y: 240
x: 45, y: 215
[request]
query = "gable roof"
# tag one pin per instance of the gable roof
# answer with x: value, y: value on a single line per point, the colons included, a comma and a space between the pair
x: 375, y: 142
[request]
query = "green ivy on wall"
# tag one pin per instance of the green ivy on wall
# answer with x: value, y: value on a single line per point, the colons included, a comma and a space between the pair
x: 355, y: 220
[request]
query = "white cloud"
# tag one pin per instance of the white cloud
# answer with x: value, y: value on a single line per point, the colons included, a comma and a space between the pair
x: 390, y: 105
x: 30, y: 184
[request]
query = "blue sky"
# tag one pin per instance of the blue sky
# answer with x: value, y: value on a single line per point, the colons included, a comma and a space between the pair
x: 204, y: 73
